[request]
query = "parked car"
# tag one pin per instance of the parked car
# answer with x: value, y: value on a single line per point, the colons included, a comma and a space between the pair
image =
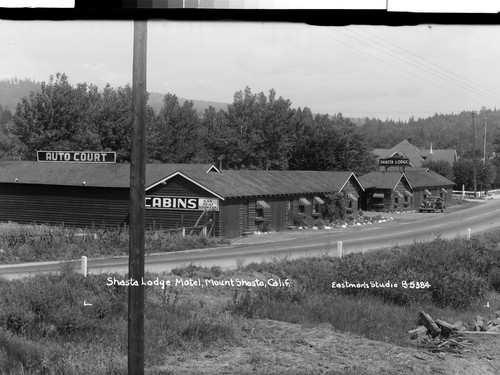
x: 432, y: 204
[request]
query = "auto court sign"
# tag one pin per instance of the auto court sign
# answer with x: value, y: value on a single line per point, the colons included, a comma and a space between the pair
x: 181, y: 203
x: 77, y: 156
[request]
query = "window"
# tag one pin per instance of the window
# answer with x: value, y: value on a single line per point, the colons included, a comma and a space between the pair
x: 303, y: 202
x: 259, y: 210
x: 259, y: 213
x: 396, y: 200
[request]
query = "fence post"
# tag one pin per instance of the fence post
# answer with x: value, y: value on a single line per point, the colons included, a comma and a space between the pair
x: 84, y: 266
x: 468, y: 233
x: 463, y: 191
x: 183, y: 232
x: 339, y: 248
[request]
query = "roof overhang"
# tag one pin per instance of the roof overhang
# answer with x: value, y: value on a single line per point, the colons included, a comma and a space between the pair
x: 179, y: 173
x: 355, y: 178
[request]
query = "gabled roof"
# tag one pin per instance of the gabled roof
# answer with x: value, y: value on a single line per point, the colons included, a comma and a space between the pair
x: 225, y: 184
x: 383, y: 180
x: 257, y: 183
x: 449, y: 156
x: 403, y: 148
x: 94, y: 174
x: 416, y: 156
x: 423, y: 177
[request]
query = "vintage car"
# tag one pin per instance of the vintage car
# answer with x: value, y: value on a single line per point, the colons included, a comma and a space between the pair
x: 432, y: 204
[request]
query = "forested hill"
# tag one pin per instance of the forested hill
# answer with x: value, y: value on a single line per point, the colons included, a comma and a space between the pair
x: 13, y: 90
x: 449, y: 131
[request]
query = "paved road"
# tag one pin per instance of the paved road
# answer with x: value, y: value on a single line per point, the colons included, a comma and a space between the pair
x: 354, y: 239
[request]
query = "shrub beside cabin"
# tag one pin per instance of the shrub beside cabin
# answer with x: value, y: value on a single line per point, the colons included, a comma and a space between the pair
x: 177, y: 195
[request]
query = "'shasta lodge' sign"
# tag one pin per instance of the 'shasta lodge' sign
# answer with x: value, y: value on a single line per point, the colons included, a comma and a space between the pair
x: 182, y: 203
x: 77, y: 156
x: 394, y: 161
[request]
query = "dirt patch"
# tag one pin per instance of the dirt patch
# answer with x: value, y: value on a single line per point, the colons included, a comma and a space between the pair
x: 271, y: 347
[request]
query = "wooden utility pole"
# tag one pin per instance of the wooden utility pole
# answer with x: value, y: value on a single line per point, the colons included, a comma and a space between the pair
x: 137, y: 198
x: 474, y: 152
x: 484, y: 150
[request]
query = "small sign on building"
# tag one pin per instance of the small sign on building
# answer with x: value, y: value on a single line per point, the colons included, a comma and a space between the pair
x: 394, y: 162
x: 77, y: 156
x: 181, y: 203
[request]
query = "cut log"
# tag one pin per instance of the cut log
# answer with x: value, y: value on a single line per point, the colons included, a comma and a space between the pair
x: 494, y: 329
x: 418, y: 332
x: 427, y: 321
x: 446, y: 328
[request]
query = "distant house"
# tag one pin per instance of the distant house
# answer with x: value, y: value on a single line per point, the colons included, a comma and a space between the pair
x: 426, y: 183
x: 417, y: 157
x: 394, y: 190
x: 386, y: 191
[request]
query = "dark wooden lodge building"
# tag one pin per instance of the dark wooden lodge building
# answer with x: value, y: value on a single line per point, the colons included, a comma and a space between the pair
x: 394, y: 190
x: 177, y: 195
x: 386, y: 191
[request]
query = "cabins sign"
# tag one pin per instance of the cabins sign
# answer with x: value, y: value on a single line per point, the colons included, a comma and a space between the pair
x: 181, y: 203
x: 77, y: 156
x: 394, y: 161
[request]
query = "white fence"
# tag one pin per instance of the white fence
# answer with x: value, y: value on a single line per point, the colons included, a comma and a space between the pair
x: 470, y: 194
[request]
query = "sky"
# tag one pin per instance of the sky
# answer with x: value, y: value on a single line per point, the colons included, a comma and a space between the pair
x: 360, y: 71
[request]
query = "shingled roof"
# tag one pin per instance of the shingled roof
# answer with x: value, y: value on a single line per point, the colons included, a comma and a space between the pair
x: 258, y: 183
x: 382, y: 179
x: 226, y: 184
x: 94, y: 174
x: 416, y: 156
x: 449, y: 156
x: 423, y: 177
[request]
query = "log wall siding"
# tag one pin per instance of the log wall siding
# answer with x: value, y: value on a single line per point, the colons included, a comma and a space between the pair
x: 351, y: 188
x: 68, y: 205
x: 401, y: 187
x: 232, y: 217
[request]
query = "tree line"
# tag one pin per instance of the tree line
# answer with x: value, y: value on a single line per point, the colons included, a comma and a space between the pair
x: 257, y: 131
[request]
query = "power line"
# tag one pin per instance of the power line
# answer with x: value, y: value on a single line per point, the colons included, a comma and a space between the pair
x: 424, y: 68
x: 394, y: 66
x: 482, y: 91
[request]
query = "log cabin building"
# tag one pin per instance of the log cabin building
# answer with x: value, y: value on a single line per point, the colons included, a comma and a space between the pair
x: 177, y: 195
x: 395, y: 191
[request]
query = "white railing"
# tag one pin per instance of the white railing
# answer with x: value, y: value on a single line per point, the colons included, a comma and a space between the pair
x: 470, y: 194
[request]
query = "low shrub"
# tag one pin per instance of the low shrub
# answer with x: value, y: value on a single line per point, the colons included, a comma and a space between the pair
x: 30, y: 243
x: 265, y: 226
x: 48, y: 305
x: 453, y: 273
x: 198, y: 271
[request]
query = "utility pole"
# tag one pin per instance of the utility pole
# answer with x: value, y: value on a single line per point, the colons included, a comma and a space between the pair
x: 474, y: 152
x: 137, y: 198
x: 484, y: 153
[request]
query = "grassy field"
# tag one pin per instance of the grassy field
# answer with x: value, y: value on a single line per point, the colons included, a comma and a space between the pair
x: 45, y: 329
x: 30, y: 243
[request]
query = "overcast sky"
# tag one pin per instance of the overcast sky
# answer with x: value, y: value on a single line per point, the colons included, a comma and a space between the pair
x: 361, y: 71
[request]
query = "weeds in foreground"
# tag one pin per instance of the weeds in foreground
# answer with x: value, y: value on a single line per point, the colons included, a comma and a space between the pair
x: 30, y: 243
